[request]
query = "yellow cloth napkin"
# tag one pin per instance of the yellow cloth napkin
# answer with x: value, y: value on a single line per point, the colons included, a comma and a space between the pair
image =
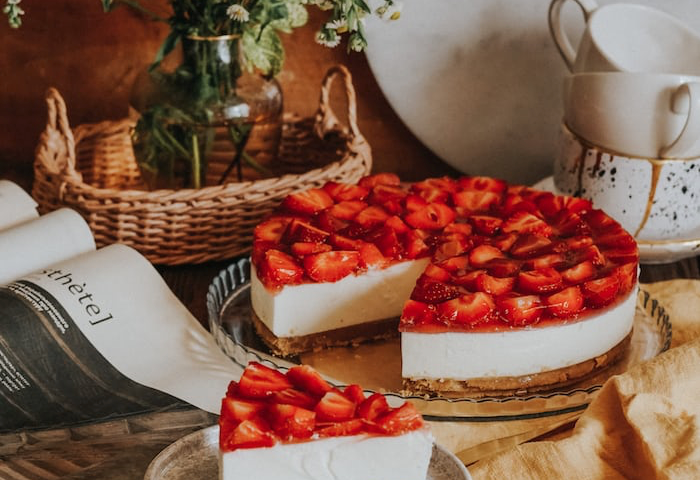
x: 644, y: 424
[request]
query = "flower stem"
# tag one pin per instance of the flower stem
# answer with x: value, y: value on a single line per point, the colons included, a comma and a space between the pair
x: 196, y: 177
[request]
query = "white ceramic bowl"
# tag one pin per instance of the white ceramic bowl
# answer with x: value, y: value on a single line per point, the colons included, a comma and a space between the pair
x: 653, y: 199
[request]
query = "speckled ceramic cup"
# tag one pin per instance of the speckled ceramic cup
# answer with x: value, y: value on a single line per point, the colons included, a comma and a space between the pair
x: 653, y: 199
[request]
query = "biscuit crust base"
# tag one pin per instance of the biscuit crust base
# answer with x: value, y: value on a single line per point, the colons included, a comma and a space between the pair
x: 512, y: 386
x: 339, y: 337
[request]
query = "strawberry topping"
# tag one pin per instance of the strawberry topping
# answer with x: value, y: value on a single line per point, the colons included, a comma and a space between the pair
x: 501, y: 255
x: 266, y: 407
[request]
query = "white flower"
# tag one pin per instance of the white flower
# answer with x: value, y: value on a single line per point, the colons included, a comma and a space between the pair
x: 340, y: 25
x: 238, y: 13
x: 357, y: 42
x: 328, y: 38
x: 13, y: 2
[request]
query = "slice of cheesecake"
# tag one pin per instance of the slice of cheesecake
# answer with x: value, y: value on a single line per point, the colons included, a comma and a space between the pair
x: 296, y: 426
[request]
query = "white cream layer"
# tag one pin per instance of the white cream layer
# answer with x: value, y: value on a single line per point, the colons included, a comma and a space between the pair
x: 462, y: 355
x: 357, y: 457
x: 309, y: 308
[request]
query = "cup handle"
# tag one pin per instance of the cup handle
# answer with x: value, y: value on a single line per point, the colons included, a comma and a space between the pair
x: 686, y: 99
x: 556, y: 29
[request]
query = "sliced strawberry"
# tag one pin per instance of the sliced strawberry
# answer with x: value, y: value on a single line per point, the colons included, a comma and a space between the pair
x: 504, y: 242
x: 570, y: 225
x: 371, y: 216
x: 347, y: 210
x: 301, y: 249
x: 627, y: 274
x: 239, y: 409
x: 416, y: 313
x: 278, y: 269
x: 599, y: 221
x: 260, y: 248
x: 514, y: 204
x: 480, y: 256
x: 452, y: 245
x: 431, y: 291
x: 329, y: 223
x: 292, y: 396
x: 345, y: 243
x: 544, y: 280
x: 469, y: 309
x: 601, y: 291
x: 446, y: 184
x: 415, y: 202
x: 232, y: 390
x: 574, y: 243
x: 530, y: 245
x: 341, y: 429
x: 468, y: 279
x: 455, y: 264
x: 331, y: 266
x: 458, y: 227
x: 259, y: 381
x: 371, y: 181
x: 503, y: 267
x: 524, y: 310
x: 396, y: 224
x: 387, y: 241
x: 593, y: 254
x: 334, y: 407
x: 553, y: 260
x: 372, y: 407
x: 371, y: 256
x: 400, y: 420
x: 355, y: 393
x: 566, y: 303
x: 341, y: 192
x: 253, y: 433
x: 308, y: 202
x: 436, y: 273
x: 382, y: 194
x: 552, y: 205
x: 271, y: 230
x: 414, y: 245
x: 526, y: 222
x: 431, y: 217
x: 476, y: 201
x: 307, y: 379
x: 301, y: 231
x: 493, y: 285
x: 485, y: 184
x: 290, y: 422
x: 485, y: 224
x: 579, y: 273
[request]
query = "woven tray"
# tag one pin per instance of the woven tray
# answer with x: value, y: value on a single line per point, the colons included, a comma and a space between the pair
x: 92, y: 170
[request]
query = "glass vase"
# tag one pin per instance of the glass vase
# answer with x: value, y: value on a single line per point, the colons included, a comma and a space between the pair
x: 207, y: 122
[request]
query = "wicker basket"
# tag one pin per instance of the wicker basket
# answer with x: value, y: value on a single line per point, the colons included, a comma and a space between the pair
x: 92, y: 170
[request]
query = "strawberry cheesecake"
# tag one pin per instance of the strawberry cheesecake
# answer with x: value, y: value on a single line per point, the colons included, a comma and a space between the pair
x: 296, y: 426
x: 499, y: 288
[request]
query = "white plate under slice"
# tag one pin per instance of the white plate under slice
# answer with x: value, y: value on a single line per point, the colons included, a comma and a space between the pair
x: 195, y: 457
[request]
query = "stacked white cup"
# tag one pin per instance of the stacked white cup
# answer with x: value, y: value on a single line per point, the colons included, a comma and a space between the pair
x: 630, y: 136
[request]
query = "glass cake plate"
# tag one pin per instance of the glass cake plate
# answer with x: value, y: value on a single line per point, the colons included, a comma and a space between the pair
x: 377, y: 366
x: 194, y: 457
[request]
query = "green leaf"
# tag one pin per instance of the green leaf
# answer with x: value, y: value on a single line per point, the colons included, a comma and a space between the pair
x: 264, y: 50
x: 166, y: 47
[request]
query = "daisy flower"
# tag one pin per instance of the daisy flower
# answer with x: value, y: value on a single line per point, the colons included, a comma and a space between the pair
x: 238, y: 13
x: 340, y: 25
x: 328, y: 38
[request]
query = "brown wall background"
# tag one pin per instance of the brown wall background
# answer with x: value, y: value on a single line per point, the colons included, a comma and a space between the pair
x: 92, y: 58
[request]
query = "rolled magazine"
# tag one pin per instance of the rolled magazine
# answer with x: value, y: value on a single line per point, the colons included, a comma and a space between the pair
x: 99, y: 335
x: 16, y: 205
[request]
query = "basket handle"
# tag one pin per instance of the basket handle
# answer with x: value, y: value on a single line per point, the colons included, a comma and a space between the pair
x: 58, y: 129
x: 326, y: 120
